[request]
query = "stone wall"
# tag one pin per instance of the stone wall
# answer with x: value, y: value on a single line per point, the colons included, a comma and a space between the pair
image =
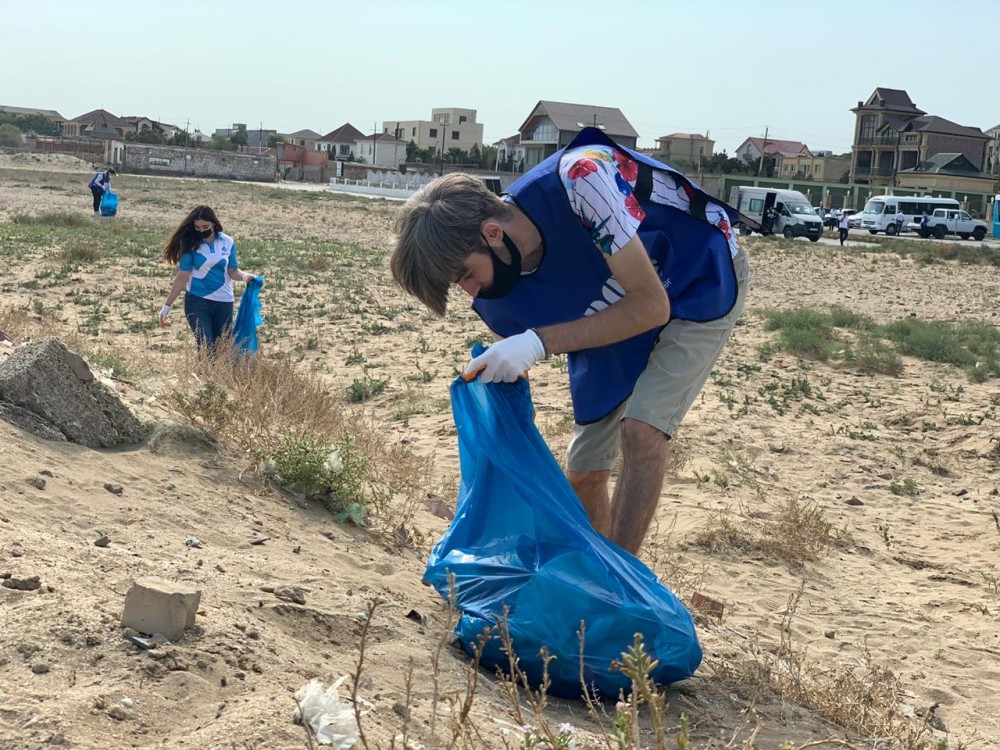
x: 140, y: 158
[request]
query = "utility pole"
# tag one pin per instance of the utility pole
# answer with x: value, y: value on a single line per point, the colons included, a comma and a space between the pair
x: 374, y: 134
x: 763, y: 148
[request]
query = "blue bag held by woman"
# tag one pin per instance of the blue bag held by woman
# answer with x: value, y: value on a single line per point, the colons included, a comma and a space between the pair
x: 109, y: 203
x: 249, y: 317
x: 522, y: 540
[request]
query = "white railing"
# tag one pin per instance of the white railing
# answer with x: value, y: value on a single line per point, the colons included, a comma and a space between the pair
x: 384, y: 188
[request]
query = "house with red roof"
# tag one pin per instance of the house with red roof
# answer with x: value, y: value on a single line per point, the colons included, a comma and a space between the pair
x: 774, y: 151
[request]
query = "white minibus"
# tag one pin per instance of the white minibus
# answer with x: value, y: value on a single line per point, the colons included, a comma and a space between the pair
x: 880, y: 211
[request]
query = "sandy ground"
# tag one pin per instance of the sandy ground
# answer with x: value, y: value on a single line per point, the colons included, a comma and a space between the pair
x: 909, y: 587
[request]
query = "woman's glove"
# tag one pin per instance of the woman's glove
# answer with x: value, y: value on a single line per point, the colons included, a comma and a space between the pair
x: 507, y: 360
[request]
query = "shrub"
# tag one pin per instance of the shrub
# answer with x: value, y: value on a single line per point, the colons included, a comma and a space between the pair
x: 334, y: 474
x: 209, y: 407
x: 300, y: 462
x: 292, y: 429
x: 52, y: 219
x: 9, y: 135
x: 970, y: 346
x: 82, y: 251
x: 364, y: 389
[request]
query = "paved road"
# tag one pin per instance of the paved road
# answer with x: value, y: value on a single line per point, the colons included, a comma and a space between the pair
x: 858, y: 237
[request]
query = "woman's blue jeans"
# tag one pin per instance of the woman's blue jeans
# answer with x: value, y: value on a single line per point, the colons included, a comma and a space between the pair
x: 208, y: 318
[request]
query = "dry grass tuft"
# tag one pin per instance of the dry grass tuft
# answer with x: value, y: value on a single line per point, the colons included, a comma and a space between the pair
x: 863, y: 699
x: 270, y: 409
x: 21, y: 324
x: 796, y: 533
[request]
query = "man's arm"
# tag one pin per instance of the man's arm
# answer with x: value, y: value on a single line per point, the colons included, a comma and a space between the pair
x: 644, y: 306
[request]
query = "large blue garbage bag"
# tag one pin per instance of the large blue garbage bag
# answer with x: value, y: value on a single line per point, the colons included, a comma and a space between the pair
x: 521, y: 539
x: 109, y: 203
x: 249, y: 316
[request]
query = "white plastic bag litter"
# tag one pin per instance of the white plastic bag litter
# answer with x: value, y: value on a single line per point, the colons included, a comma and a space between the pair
x: 332, y: 722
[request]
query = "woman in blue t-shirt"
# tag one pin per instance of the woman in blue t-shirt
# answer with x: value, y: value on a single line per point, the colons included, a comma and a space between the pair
x: 99, y: 184
x: 207, y: 267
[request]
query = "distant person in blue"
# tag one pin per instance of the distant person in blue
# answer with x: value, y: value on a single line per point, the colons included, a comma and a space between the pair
x: 98, y: 184
x: 605, y: 255
x: 207, y: 267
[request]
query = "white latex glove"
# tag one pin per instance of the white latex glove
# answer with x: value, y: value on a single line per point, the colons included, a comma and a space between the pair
x: 506, y: 360
x: 164, y: 312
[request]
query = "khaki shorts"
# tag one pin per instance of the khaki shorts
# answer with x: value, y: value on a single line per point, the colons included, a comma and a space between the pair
x: 679, y: 365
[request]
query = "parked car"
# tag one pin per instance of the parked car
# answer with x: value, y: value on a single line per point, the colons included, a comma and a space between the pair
x: 832, y: 218
x: 854, y: 220
x: 945, y: 221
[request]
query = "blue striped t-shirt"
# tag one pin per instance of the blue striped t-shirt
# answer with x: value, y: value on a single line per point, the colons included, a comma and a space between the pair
x: 209, y: 264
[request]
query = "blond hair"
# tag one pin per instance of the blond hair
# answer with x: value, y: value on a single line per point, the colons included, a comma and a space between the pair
x: 438, y: 227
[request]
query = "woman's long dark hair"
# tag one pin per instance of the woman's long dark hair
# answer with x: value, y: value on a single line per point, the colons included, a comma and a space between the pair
x: 185, y: 238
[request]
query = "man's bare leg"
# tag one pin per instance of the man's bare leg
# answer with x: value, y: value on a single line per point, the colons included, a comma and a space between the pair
x: 637, y: 493
x: 592, y: 489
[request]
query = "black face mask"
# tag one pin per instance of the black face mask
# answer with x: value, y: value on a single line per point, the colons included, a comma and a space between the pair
x: 505, y: 275
x: 206, y: 234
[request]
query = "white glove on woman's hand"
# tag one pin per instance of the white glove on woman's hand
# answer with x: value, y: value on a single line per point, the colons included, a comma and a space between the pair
x: 507, y: 360
x: 164, y: 312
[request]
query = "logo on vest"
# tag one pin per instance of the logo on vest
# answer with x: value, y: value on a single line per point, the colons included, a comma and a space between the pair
x: 612, y: 291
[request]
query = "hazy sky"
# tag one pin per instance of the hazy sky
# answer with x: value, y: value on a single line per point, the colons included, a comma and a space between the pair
x: 728, y: 67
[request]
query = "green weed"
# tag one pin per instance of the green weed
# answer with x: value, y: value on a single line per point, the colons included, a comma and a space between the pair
x: 365, y: 388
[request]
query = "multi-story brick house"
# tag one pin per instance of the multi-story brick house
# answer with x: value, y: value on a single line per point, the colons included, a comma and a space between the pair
x: 993, y: 150
x: 891, y: 135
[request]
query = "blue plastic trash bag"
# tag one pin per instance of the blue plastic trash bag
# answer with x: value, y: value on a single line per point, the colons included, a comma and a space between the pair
x: 109, y: 203
x: 248, y: 317
x: 521, y: 539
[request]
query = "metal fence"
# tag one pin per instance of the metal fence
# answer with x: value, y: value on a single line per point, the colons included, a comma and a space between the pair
x: 88, y: 149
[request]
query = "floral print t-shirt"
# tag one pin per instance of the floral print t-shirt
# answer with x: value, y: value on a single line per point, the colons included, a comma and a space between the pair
x: 599, y: 181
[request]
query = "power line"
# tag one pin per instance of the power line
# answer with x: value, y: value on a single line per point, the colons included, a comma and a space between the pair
x: 809, y: 135
x: 690, y: 128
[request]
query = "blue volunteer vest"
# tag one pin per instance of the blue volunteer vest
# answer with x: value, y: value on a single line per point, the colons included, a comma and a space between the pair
x: 690, y: 255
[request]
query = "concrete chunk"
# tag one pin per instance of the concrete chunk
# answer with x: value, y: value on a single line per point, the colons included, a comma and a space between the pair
x: 153, y: 605
x: 55, y: 385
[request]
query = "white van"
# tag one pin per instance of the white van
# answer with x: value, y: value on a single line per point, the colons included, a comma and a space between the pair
x: 796, y: 218
x: 880, y: 212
